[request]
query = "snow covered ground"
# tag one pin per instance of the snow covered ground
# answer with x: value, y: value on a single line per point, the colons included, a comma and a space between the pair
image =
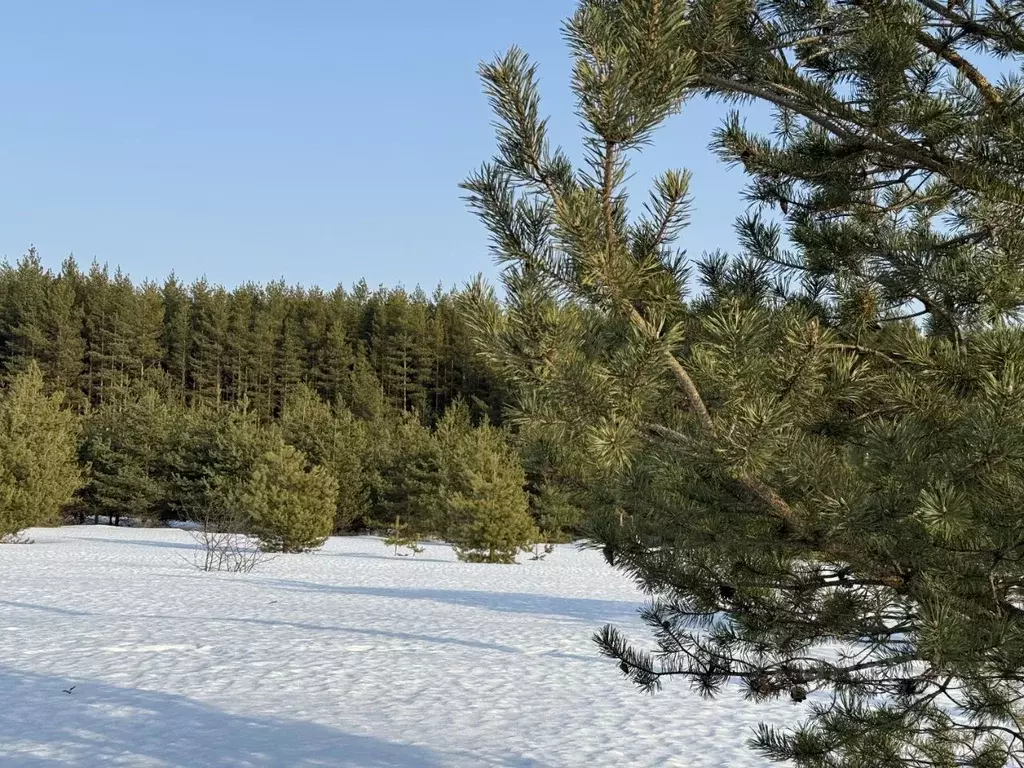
x: 344, y: 657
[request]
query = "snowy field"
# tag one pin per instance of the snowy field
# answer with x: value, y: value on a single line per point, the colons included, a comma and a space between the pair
x: 345, y: 657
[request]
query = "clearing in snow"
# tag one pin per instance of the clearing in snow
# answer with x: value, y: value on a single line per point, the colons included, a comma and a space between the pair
x: 113, y: 650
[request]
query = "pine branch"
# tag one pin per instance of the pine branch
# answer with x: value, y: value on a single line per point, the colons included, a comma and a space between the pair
x: 953, y: 58
x: 607, y: 195
x: 757, y: 487
x: 902, y: 149
x: 963, y: 66
x: 971, y: 25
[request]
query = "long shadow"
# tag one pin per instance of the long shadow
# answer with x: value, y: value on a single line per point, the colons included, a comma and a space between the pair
x: 98, y: 723
x: 369, y: 556
x: 147, y: 543
x: 478, y: 645
x: 310, y: 627
x: 44, y: 608
x: 579, y: 608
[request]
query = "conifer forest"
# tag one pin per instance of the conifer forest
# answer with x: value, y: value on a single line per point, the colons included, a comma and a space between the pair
x: 170, y: 392
x: 801, y: 457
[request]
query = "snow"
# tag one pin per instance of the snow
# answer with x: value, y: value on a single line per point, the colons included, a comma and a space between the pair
x: 348, y: 656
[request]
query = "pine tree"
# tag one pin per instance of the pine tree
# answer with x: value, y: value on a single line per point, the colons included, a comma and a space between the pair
x: 239, y: 369
x: 97, y: 333
x: 147, y: 329
x: 291, y: 507
x: 210, y: 451
x: 176, y: 336
x: 407, y: 476
x: 362, y: 392
x: 288, y: 364
x: 334, y: 363
x: 269, y: 326
x: 208, y: 337
x: 66, y: 346
x: 554, y: 501
x: 125, y: 444
x: 266, y: 312
x: 23, y: 320
x: 130, y: 320
x: 336, y: 442
x: 399, y: 536
x: 486, y: 515
x: 38, y: 470
x: 335, y: 347
x: 812, y: 465
x: 394, y: 349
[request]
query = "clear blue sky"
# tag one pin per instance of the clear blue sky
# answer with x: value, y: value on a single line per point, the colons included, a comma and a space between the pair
x: 316, y: 140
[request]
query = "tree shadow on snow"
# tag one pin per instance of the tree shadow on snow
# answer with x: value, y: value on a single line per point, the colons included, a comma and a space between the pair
x: 44, y: 608
x: 305, y: 626
x: 579, y: 608
x: 149, y: 543
x: 97, y: 723
x: 391, y: 557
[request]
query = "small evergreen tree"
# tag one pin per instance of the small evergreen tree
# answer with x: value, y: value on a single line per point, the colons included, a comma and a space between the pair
x: 399, y: 536
x: 487, y: 517
x: 125, y: 443
x: 291, y: 508
x: 211, y: 451
x: 554, y: 502
x: 39, y: 473
x: 407, y: 476
x: 338, y: 443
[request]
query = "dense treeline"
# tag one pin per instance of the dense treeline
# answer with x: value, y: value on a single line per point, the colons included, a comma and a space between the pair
x: 94, y: 333
x: 293, y: 413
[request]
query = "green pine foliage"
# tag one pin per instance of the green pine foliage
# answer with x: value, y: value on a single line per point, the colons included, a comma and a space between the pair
x: 24, y: 313
x: 809, y: 453
x: 291, y: 507
x: 556, y: 498
x: 180, y: 386
x: 125, y: 444
x: 39, y: 473
x: 407, y: 479
x: 95, y: 333
x: 399, y: 536
x: 337, y: 441
x: 210, y: 453
x: 174, y: 337
x: 486, y: 514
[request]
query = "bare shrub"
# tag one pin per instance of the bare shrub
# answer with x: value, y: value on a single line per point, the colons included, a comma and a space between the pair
x: 223, y: 545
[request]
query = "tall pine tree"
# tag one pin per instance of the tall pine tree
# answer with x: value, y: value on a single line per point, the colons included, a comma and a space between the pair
x: 813, y: 465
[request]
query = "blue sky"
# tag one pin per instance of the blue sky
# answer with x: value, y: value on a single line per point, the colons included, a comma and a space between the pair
x: 321, y: 141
